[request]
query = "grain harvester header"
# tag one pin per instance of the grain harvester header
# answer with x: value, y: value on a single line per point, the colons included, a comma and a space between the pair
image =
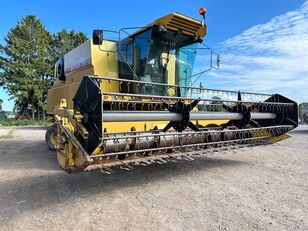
x: 133, y: 101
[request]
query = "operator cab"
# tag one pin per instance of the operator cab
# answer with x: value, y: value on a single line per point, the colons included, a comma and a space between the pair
x: 163, y: 52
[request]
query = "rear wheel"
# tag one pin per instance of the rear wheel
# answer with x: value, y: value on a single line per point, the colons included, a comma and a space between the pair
x: 51, y: 137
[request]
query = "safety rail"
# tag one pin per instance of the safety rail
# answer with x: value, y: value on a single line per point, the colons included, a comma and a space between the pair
x: 120, y: 99
x: 208, y: 93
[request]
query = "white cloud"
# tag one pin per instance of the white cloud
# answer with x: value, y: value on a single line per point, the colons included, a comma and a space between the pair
x: 270, y: 57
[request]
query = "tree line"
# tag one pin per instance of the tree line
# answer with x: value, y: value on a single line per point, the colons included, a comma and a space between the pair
x: 27, y: 62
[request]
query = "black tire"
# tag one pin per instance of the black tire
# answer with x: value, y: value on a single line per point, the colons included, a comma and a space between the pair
x: 50, y: 137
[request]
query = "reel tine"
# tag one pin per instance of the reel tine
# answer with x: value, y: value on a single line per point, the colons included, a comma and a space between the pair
x: 188, y: 158
x: 142, y: 163
x: 145, y: 163
x: 162, y: 160
x: 106, y: 170
x: 158, y: 161
x: 125, y: 166
x: 172, y: 159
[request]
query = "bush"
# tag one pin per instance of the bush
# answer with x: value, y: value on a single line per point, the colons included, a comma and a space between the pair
x: 24, y: 123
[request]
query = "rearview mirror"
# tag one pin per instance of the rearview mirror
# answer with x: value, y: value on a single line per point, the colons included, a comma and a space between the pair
x: 97, y: 37
x: 218, y: 60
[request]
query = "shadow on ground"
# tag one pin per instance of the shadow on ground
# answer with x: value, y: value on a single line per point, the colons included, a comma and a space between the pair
x: 57, y: 187
x: 26, y: 155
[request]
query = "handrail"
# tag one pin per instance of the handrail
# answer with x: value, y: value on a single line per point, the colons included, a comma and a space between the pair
x: 175, y: 86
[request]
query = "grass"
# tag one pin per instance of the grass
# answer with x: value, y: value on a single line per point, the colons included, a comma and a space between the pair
x: 8, y: 135
x: 24, y: 123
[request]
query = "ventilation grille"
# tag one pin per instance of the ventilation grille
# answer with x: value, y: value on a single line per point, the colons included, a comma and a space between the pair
x: 188, y: 27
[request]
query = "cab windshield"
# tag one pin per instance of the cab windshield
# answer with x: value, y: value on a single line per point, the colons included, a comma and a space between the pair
x: 159, y: 57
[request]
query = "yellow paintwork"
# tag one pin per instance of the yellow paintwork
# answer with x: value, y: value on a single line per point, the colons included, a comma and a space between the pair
x: 69, y: 156
x: 102, y: 61
x: 273, y: 139
x: 105, y: 63
x: 170, y: 70
x: 281, y: 137
x: 53, y: 138
x: 102, y: 64
x: 146, y: 126
x: 64, y: 154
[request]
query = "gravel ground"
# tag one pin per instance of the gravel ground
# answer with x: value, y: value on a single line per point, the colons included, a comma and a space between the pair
x: 263, y: 188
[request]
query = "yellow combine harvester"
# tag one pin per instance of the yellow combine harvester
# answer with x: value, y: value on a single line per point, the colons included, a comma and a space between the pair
x: 133, y: 102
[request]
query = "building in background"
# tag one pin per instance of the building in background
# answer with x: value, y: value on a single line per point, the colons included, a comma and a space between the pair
x: 303, y: 112
x: 5, y: 115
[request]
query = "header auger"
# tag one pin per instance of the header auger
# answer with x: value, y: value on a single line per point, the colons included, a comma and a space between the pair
x: 132, y: 102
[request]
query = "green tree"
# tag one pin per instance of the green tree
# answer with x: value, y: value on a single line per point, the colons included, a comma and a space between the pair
x: 25, y: 64
x: 215, y: 105
x: 64, y: 41
x: 1, y: 102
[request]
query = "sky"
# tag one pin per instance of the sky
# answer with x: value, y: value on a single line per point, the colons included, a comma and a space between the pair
x: 263, y: 43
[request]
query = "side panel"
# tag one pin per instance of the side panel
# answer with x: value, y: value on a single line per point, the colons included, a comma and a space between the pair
x: 87, y: 59
x: 66, y: 89
x: 104, y: 59
x: 78, y: 57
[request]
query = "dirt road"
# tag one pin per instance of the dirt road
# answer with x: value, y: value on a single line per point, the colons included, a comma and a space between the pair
x: 264, y: 188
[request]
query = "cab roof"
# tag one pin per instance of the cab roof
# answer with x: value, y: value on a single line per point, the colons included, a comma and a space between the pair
x: 175, y: 22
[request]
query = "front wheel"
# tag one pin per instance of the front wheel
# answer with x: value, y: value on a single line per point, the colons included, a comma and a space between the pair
x: 51, y: 137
